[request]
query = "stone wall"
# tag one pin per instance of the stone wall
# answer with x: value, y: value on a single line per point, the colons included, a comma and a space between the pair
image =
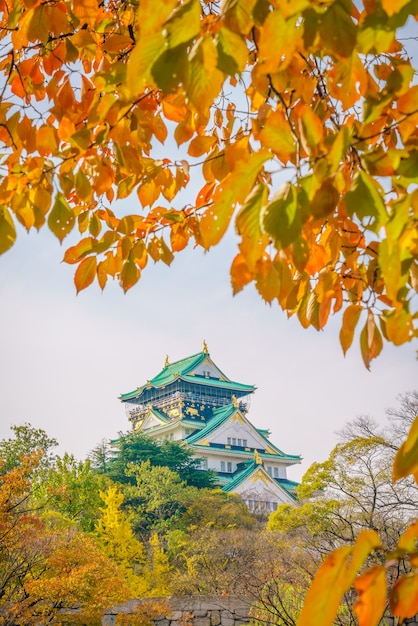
x: 191, y: 611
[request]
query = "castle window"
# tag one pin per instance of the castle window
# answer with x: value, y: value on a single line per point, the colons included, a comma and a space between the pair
x: 239, y: 441
x: 222, y: 466
x: 229, y: 441
x: 234, y: 441
x: 276, y: 472
x: 229, y: 466
x: 269, y: 470
x: 244, y: 443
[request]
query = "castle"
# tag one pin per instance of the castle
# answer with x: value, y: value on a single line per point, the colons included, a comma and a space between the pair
x: 193, y: 401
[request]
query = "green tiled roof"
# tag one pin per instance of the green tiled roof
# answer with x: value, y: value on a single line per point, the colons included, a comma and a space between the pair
x: 240, y: 476
x: 182, y: 369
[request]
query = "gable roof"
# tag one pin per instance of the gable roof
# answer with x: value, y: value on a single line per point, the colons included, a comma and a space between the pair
x: 251, y: 468
x: 241, y: 475
x: 184, y: 369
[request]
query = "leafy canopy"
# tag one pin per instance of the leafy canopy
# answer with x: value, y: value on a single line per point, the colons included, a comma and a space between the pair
x: 299, y: 119
x: 136, y: 448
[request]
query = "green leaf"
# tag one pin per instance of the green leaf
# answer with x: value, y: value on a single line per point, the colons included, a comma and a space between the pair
x: 408, y: 167
x: 232, y: 52
x: 7, y: 230
x: 61, y: 218
x: 248, y: 225
x: 325, y: 200
x: 171, y: 69
x: 338, y: 31
x: 281, y: 219
x: 366, y: 202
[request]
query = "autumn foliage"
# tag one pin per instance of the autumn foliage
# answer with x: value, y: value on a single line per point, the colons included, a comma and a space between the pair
x: 345, y: 568
x: 298, y: 119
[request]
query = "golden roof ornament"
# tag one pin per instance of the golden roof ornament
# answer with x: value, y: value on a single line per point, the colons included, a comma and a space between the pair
x: 166, y: 363
x: 234, y: 401
x: 205, y: 347
x: 257, y: 458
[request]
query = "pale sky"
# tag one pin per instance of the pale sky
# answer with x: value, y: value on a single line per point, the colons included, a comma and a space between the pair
x: 65, y: 358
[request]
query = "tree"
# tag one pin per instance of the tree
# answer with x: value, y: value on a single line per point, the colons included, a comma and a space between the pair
x: 137, y: 448
x: 116, y: 538
x: 71, y: 488
x: 359, y: 526
x: 300, y: 119
x: 158, y: 498
x: 26, y: 440
x: 48, y: 571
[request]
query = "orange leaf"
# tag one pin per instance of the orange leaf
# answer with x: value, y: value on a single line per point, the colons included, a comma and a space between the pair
x: 240, y: 274
x: 350, y: 319
x: 75, y: 253
x: 85, y: 273
x: 404, y: 597
x: 371, y: 342
x: 371, y: 587
x: 334, y: 578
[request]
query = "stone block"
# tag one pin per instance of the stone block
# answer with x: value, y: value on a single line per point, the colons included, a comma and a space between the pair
x: 201, y: 621
x: 215, y: 618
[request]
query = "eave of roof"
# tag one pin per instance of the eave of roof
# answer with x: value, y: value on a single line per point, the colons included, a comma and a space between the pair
x: 181, y: 370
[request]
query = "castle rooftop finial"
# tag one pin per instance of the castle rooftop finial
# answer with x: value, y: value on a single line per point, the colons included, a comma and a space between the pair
x: 205, y: 347
x: 166, y: 363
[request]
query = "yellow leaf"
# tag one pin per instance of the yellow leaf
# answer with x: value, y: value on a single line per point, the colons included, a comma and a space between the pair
x: 129, y: 275
x: 183, y: 23
x: 371, y: 587
x: 279, y: 39
x: 277, y: 136
x: 61, y: 218
x: 391, y: 7
x: 311, y: 130
x: 201, y: 145
x: 408, y: 540
x: 85, y: 273
x: 7, y: 230
x: 404, y: 597
x: 406, y: 459
x: 232, y: 190
x: 205, y: 80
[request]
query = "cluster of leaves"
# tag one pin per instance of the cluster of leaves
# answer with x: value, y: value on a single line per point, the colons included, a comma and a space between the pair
x: 320, y: 93
x: 134, y: 447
